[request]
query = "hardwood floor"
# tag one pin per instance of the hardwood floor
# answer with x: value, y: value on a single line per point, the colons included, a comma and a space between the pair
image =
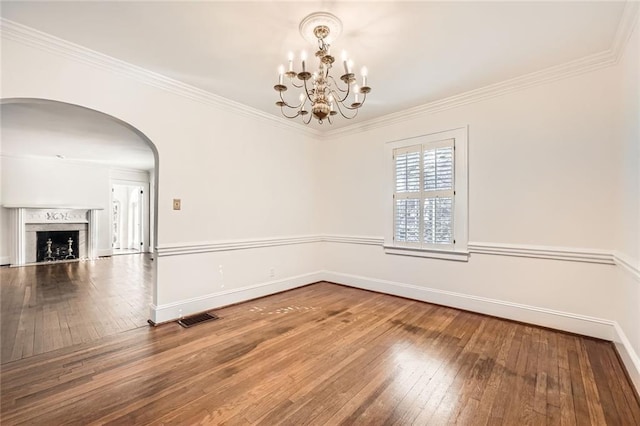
x: 326, y: 354
x: 48, y: 307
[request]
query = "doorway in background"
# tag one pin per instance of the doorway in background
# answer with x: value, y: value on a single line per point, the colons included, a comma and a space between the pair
x: 127, y: 218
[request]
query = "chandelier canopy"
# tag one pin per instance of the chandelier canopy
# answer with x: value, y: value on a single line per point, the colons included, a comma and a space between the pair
x: 320, y: 92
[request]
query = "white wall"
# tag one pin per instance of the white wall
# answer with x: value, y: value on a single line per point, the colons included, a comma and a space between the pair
x: 544, y: 167
x: 240, y: 177
x: 544, y: 173
x: 54, y: 182
x: 629, y: 188
x: 541, y: 172
x: 629, y: 113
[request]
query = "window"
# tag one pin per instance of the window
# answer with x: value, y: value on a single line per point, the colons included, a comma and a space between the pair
x: 429, y: 179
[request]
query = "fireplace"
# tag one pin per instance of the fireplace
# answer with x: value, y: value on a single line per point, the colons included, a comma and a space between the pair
x: 57, y: 245
x: 53, y: 234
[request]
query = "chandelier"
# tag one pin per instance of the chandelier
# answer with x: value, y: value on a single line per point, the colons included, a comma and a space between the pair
x: 319, y: 90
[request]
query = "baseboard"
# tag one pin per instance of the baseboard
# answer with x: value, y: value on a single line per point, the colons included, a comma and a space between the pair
x: 173, y: 311
x: 104, y: 252
x: 5, y: 260
x: 629, y: 357
x: 580, y: 324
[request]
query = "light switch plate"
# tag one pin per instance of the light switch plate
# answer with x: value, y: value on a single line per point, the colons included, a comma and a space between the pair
x: 176, y: 203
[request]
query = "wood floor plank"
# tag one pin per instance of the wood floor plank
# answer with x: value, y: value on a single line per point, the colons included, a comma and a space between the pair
x: 321, y: 354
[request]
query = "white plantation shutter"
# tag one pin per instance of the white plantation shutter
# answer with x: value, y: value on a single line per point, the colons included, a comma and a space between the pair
x: 438, y: 192
x: 408, y: 170
x: 424, y: 194
x: 407, y: 216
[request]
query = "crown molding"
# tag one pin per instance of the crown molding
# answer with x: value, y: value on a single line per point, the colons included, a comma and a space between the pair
x: 576, y: 67
x: 23, y: 34
x: 46, y: 42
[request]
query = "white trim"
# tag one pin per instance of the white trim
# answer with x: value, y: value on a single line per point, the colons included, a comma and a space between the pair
x: 175, y: 310
x: 213, y: 246
x: 104, y: 252
x: 629, y: 356
x: 543, y: 252
x: 462, y: 256
x: 31, y: 37
x: 457, y: 251
x: 627, y: 264
x: 581, y: 324
x: 559, y: 320
x: 46, y: 42
x: 5, y: 260
x: 573, y: 68
x: 92, y: 235
x: 352, y: 239
x: 495, y: 249
x: 558, y: 72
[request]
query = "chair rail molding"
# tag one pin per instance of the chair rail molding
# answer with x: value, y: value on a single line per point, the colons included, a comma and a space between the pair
x: 543, y: 252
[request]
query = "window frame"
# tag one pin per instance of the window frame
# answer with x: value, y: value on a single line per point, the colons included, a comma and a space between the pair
x: 458, y: 250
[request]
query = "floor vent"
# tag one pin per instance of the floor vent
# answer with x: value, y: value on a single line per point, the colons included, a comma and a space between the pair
x: 196, y: 319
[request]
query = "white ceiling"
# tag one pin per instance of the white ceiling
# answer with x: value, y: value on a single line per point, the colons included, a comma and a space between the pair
x: 416, y: 52
x: 51, y: 129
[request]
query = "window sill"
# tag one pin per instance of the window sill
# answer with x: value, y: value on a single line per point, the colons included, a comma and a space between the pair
x: 460, y: 256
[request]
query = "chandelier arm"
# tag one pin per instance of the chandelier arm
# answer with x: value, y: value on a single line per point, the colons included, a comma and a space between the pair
x: 357, y: 107
x: 287, y: 103
x: 336, y: 96
x: 306, y: 92
x: 342, y: 113
x: 289, y: 116
x: 326, y: 92
x: 309, y: 120
x: 337, y: 86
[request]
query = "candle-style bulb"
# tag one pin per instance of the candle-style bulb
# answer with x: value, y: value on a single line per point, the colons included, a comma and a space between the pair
x: 280, y: 73
x: 364, y: 72
x: 344, y: 62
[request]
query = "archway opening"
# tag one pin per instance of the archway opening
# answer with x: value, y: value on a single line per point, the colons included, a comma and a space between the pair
x: 60, y: 166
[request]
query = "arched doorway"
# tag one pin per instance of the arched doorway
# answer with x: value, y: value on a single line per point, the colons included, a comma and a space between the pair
x: 58, y: 156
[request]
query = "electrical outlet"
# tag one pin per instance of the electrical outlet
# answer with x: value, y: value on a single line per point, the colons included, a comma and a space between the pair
x: 177, y: 204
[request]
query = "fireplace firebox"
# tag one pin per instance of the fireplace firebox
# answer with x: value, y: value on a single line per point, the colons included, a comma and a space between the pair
x: 57, y: 245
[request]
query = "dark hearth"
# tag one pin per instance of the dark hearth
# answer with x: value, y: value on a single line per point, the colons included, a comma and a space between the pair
x: 57, y: 245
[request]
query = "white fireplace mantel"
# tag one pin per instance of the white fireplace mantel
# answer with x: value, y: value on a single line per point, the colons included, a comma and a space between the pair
x: 38, y: 214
